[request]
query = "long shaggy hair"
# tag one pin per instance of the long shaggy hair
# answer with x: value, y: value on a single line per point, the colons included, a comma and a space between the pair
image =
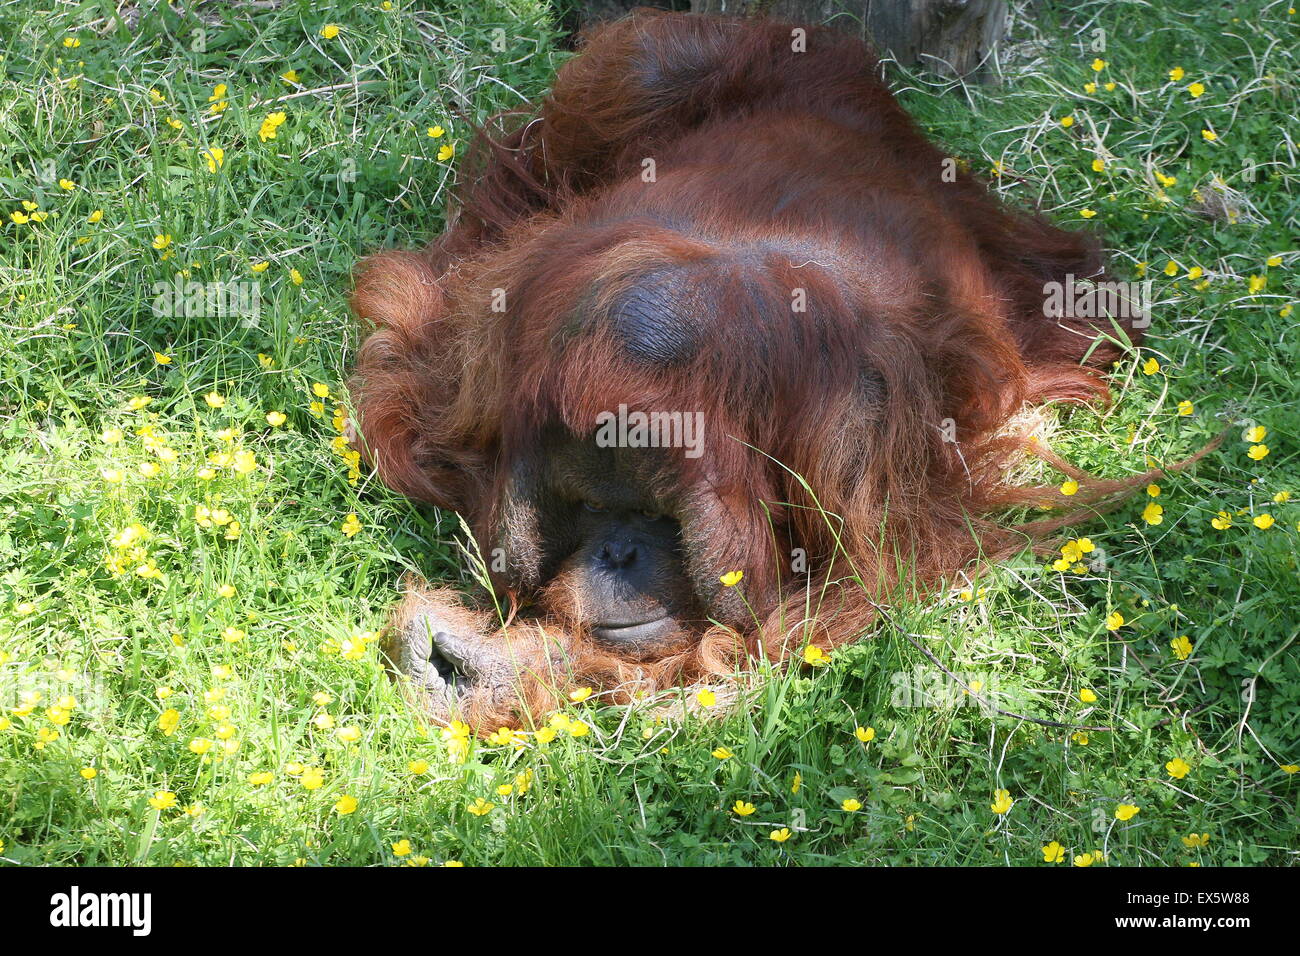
x: 704, y: 160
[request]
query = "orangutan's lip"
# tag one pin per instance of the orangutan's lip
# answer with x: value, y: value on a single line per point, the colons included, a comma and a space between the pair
x: 633, y: 633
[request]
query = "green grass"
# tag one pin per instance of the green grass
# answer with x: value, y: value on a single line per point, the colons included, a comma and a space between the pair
x: 352, y: 169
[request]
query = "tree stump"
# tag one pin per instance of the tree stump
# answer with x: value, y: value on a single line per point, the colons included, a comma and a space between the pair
x: 948, y: 36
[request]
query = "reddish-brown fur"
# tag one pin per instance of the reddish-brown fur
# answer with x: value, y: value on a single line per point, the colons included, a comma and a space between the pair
x: 775, y: 170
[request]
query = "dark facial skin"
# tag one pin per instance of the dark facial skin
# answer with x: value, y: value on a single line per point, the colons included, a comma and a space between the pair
x: 601, y: 523
x: 629, y: 569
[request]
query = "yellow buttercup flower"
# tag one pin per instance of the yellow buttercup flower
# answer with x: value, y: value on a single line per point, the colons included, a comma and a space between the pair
x: 1126, y: 811
x: 270, y: 126
x: 215, y: 156
x: 815, y: 656
x: 1178, y: 768
x: 779, y: 836
x: 168, y: 721
x: 742, y: 809
x: 1182, y: 647
x: 312, y: 778
x: 1053, y: 853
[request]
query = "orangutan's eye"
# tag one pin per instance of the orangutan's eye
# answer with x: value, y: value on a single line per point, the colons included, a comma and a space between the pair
x: 593, y: 507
